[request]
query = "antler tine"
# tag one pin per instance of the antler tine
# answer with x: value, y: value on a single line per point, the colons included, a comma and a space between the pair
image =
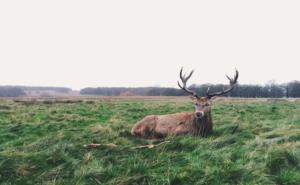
x: 230, y: 79
x: 236, y: 76
x: 232, y: 82
x: 184, y: 80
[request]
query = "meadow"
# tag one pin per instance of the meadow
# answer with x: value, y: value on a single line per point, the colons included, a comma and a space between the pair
x: 46, y: 142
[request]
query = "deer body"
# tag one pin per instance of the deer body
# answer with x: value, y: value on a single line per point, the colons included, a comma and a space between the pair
x: 158, y: 126
x: 195, y: 123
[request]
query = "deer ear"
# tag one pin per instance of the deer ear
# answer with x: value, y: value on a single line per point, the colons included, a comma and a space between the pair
x: 193, y: 97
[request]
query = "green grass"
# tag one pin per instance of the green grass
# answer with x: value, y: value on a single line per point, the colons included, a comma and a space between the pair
x: 42, y: 143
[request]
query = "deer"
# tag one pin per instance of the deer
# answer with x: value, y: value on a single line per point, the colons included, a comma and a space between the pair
x: 197, y: 123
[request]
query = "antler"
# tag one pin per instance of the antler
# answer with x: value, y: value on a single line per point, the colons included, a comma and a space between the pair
x: 184, y: 79
x: 232, y: 82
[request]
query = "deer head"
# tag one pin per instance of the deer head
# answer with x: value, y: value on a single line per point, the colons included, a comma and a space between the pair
x: 203, y: 104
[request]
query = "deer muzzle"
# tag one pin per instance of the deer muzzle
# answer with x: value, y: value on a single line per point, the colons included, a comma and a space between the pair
x: 199, y: 114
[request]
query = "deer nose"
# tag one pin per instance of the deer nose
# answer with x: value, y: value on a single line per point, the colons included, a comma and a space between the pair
x: 199, y: 114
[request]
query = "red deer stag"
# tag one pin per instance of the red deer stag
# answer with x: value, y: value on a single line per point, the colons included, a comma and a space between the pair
x: 196, y: 123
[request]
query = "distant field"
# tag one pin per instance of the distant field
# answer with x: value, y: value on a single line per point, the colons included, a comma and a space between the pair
x: 42, y: 142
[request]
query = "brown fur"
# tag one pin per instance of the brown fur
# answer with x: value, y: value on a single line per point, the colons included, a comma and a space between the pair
x: 158, y: 126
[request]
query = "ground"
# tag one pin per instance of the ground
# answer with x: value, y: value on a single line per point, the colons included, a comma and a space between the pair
x: 42, y: 142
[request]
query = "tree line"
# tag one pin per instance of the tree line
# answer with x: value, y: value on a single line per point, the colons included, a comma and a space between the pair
x: 291, y: 89
x: 16, y: 91
x: 11, y: 91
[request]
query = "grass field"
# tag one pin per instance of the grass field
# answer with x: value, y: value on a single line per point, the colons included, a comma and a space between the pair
x: 42, y: 142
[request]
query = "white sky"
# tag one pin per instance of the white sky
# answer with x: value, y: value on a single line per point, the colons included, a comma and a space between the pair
x: 144, y: 43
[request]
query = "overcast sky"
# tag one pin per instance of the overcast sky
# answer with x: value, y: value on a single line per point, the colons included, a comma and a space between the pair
x: 144, y: 43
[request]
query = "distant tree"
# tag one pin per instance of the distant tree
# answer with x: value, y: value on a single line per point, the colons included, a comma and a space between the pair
x: 155, y: 91
x: 41, y: 89
x: 271, y: 89
x: 171, y: 92
x: 293, y: 89
x: 274, y: 90
x: 11, y: 92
